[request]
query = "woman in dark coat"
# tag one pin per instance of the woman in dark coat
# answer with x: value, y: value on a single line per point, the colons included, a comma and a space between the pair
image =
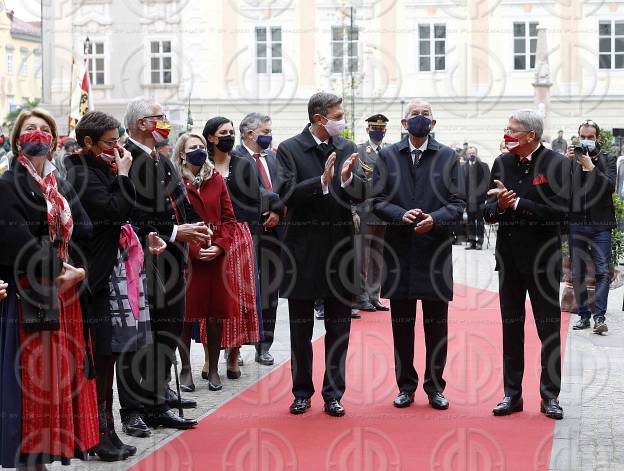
x: 118, y: 315
x: 244, y: 189
x: 48, y: 405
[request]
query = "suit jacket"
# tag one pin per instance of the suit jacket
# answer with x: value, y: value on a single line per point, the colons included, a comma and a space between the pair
x: 528, y: 238
x: 418, y: 266
x: 592, y: 193
x: 318, y: 243
x: 244, y: 189
x: 476, y: 181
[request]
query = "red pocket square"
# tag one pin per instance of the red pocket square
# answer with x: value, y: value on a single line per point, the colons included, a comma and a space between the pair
x: 539, y: 180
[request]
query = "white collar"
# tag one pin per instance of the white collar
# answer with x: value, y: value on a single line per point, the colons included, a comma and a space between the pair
x: 318, y: 141
x: 48, y: 168
x: 262, y: 153
x: 422, y: 148
x: 143, y: 147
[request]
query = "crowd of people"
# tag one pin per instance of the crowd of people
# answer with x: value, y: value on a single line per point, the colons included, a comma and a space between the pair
x: 126, y: 248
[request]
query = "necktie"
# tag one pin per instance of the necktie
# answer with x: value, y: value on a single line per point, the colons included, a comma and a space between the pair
x: 265, y: 178
x: 416, y: 153
x: 325, y: 150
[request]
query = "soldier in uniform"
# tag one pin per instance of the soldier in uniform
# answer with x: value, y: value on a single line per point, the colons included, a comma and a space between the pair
x: 370, y: 229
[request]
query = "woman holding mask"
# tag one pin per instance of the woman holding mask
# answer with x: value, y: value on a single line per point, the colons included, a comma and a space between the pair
x: 118, y: 314
x: 48, y: 406
x: 244, y: 191
x: 208, y: 297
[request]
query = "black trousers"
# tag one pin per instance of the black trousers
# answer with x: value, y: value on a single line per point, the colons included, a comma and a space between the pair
x: 475, y: 227
x: 142, y: 376
x: 337, y: 327
x: 435, y: 325
x: 544, y: 295
x: 270, y: 269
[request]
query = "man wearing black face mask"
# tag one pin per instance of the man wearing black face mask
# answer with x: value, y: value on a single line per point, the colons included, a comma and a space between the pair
x: 418, y: 194
x: 369, y: 237
x: 592, y: 217
x: 256, y: 136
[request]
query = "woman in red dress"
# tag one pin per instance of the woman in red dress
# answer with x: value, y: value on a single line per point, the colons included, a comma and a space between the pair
x: 48, y: 407
x: 208, y: 296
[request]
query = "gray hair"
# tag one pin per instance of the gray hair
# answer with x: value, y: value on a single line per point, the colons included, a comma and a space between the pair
x: 252, y: 121
x: 417, y: 102
x: 138, y: 109
x: 531, y: 121
x: 321, y: 102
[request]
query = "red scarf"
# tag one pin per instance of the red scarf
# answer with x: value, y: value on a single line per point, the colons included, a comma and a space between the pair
x: 60, y: 222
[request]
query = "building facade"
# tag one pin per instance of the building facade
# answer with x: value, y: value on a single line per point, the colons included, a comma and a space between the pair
x: 475, y: 61
x: 20, y: 61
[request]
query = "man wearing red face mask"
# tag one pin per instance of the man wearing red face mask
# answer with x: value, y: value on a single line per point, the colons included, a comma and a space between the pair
x: 529, y: 199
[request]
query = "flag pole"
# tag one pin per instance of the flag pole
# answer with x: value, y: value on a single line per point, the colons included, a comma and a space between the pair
x: 71, y: 92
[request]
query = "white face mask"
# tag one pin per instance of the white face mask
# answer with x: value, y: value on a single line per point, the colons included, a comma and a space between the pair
x: 335, y: 128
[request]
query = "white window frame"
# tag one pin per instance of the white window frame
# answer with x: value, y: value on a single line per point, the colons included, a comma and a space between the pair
x: 11, y: 105
x: 161, y: 55
x: 10, y: 58
x: 38, y: 63
x: 23, y: 66
x: 527, y: 45
x: 93, y: 56
x: 612, y: 53
x: 268, y: 51
x: 346, y: 57
x: 432, y: 44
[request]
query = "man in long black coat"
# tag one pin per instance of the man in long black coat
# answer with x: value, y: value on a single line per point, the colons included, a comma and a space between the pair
x: 419, y: 196
x: 317, y: 184
x: 476, y: 180
x: 529, y: 199
x: 161, y: 206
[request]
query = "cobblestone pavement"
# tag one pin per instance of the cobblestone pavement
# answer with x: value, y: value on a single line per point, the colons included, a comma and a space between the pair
x: 591, y: 437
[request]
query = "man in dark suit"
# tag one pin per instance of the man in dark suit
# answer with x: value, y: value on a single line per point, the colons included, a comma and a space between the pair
x: 162, y: 207
x: 418, y: 194
x: 256, y: 136
x: 369, y: 237
x: 592, y: 217
x: 476, y: 180
x: 529, y: 198
x: 317, y: 183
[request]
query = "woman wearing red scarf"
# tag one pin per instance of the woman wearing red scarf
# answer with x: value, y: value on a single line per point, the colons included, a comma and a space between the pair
x: 118, y: 314
x: 48, y: 408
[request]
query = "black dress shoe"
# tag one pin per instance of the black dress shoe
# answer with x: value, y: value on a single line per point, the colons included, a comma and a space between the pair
x: 300, y: 405
x: 265, y: 358
x: 169, y: 419
x: 582, y: 324
x: 365, y: 306
x: 134, y: 426
x: 379, y: 307
x: 131, y: 450
x: 174, y: 403
x: 508, y: 406
x: 334, y: 408
x: 438, y: 401
x: 551, y: 408
x: 187, y: 387
x: 355, y: 314
x: 403, y: 400
x: 600, y: 327
x: 107, y: 451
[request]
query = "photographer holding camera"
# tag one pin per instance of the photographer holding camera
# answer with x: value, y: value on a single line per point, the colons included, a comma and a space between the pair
x: 592, y: 217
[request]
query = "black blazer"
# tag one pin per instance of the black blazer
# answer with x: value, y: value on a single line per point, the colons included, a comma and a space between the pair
x: 476, y: 181
x: 24, y: 237
x: 592, y: 193
x: 108, y: 200
x: 319, y: 228
x: 418, y: 266
x: 528, y: 238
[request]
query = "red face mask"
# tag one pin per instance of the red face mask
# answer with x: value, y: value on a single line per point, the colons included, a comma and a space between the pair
x: 512, y: 143
x: 35, y: 142
x: 111, y: 151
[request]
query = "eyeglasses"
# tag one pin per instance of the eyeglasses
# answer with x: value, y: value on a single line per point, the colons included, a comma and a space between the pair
x: 509, y: 132
x: 111, y: 142
x: 158, y: 117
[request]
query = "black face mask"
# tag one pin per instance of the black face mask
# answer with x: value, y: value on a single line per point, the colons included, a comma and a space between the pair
x: 226, y: 143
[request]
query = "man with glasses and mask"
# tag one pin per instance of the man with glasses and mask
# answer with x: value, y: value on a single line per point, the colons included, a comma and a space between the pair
x: 529, y: 199
x: 317, y: 183
x: 162, y: 207
x: 592, y: 217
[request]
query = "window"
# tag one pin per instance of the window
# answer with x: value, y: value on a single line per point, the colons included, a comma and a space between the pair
x: 525, y: 45
x: 611, y: 44
x: 10, y: 62
x: 160, y: 62
x: 96, y: 63
x: 269, y: 50
x: 431, y: 47
x: 23, y: 70
x: 37, y: 54
x: 11, y: 105
x: 344, y: 45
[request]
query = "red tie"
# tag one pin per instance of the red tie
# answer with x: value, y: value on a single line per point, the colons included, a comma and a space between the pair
x: 265, y: 178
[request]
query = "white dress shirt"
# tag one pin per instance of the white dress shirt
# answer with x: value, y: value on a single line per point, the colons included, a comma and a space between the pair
x: 326, y: 187
x: 422, y: 148
x: 262, y: 160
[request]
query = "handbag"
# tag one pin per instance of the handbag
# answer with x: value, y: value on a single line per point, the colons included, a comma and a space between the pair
x: 40, y: 310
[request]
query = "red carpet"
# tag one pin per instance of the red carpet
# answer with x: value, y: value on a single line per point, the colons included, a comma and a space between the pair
x: 255, y: 431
